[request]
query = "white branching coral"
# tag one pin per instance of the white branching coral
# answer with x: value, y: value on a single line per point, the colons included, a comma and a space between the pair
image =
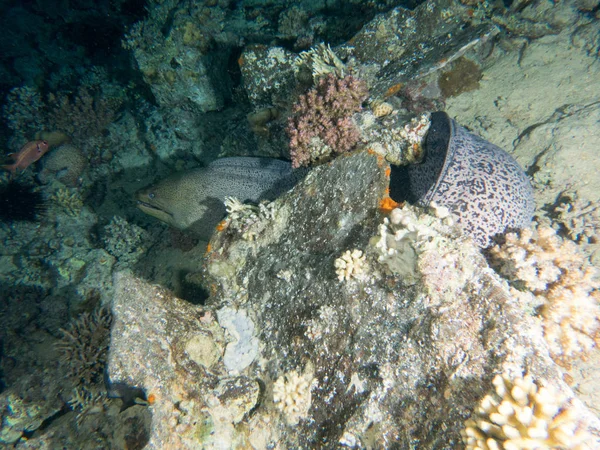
x: 322, y: 61
x: 292, y: 395
x: 580, y: 218
x: 247, y: 219
x: 557, y: 272
x: 405, y: 234
x: 352, y: 264
x: 521, y: 415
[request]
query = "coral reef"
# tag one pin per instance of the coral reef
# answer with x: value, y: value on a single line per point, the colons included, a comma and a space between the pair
x: 68, y: 200
x: 246, y: 219
x: 393, y: 361
x: 267, y: 75
x: 84, y: 116
x: 183, y: 68
x: 83, y: 350
x: 403, y: 235
x: 125, y: 241
x: 84, y: 347
x: 293, y: 24
x: 322, y: 61
x: 321, y: 125
x: 88, y: 402
x: 243, y: 348
x: 24, y: 113
x: 65, y: 164
x: 579, y: 217
x: 381, y: 109
x: 556, y: 271
x: 521, y: 414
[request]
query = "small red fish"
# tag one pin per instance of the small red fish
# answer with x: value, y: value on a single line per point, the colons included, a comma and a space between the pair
x: 29, y: 153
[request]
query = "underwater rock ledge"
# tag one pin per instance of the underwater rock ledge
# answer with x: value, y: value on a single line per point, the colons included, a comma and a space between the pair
x: 393, y: 347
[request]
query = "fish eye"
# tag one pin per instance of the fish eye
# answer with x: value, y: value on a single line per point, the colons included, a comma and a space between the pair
x: 151, y: 195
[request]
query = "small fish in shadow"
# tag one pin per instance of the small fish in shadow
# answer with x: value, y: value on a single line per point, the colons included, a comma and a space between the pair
x: 129, y: 395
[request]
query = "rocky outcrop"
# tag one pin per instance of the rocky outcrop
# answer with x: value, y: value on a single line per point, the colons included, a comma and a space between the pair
x: 287, y: 351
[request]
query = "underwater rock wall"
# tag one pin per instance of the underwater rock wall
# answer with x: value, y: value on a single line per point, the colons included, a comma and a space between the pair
x: 383, y: 349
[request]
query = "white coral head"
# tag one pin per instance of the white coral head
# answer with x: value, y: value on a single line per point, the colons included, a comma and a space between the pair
x: 292, y: 395
x: 522, y: 415
x: 352, y: 264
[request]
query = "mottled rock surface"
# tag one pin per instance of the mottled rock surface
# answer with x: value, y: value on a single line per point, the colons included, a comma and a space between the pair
x: 381, y: 361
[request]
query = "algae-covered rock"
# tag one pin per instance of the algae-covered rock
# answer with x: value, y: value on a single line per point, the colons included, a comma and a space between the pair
x: 412, y: 355
x: 377, y: 360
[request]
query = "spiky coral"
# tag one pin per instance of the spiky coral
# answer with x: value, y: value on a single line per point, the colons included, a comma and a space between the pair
x: 555, y: 270
x: 322, y: 124
x: 522, y: 415
x: 84, y: 346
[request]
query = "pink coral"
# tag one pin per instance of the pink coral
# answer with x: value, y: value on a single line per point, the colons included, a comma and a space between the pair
x: 322, y: 124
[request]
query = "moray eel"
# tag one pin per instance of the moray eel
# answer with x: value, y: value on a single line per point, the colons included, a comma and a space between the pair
x: 193, y: 200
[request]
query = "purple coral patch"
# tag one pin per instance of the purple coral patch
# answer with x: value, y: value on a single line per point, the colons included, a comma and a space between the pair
x: 321, y: 125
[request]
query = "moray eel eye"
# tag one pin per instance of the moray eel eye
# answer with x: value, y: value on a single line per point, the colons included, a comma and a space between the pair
x: 151, y: 195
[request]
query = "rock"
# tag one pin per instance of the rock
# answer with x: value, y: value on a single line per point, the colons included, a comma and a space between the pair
x: 404, y: 45
x: 413, y: 356
x: 362, y: 362
x: 267, y: 74
x: 177, y: 60
x: 27, y: 404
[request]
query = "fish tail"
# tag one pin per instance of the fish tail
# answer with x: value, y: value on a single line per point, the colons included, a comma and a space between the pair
x: 12, y: 168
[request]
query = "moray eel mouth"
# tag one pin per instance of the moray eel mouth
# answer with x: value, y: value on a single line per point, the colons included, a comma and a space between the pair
x: 153, y: 209
x: 150, y: 209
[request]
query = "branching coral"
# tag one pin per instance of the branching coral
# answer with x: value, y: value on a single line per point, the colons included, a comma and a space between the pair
x: 352, y: 264
x: 322, y: 61
x: 248, y: 220
x: 69, y: 200
x: 555, y: 270
x: 322, y: 123
x: 83, y: 116
x: 580, y: 218
x: 87, y: 403
x: 521, y: 415
x: 291, y: 394
x: 84, y: 347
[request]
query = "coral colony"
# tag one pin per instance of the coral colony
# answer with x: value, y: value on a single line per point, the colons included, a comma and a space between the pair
x: 333, y: 246
x: 321, y: 125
